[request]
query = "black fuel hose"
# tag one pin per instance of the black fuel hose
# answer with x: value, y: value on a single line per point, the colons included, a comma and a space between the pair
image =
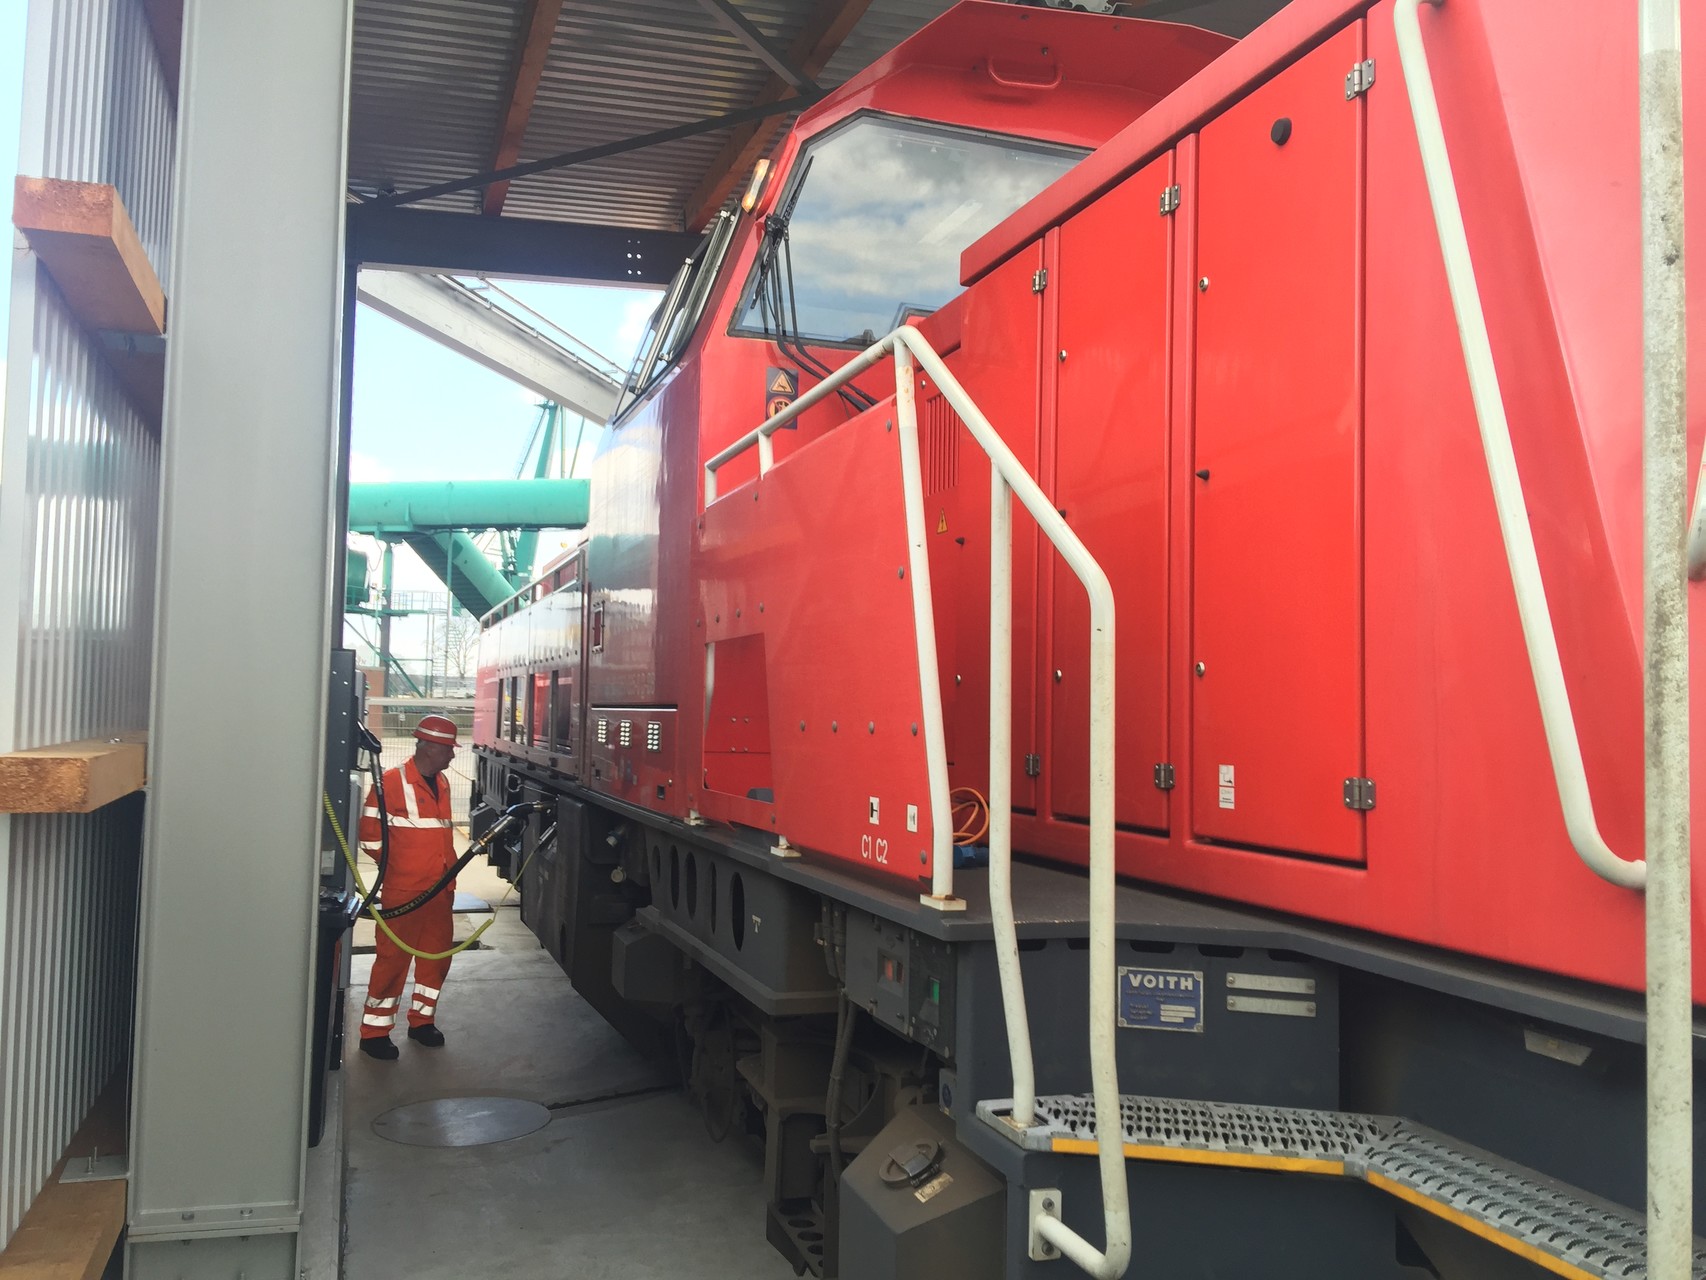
x: 511, y: 819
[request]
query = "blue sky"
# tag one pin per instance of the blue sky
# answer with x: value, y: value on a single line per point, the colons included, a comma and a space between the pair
x: 420, y: 412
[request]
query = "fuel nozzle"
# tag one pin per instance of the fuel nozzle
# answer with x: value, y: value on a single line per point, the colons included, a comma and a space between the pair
x: 511, y: 818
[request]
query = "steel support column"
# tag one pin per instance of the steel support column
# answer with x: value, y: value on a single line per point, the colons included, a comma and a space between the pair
x: 219, y: 1113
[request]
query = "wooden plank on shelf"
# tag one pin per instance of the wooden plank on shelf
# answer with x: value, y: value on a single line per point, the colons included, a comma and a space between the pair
x: 75, y: 777
x: 85, y: 239
x: 72, y: 1228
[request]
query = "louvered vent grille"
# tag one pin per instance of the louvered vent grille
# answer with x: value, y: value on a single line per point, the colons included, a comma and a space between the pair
x: 939, y: 427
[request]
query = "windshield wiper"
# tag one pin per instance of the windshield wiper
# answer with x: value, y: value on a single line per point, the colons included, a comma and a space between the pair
x: 774, y: 301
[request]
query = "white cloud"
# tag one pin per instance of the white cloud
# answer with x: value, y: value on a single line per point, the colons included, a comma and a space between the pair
x: 363, y: 468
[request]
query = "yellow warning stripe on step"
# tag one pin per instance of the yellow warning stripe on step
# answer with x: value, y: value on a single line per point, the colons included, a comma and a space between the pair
x: 1227, y: 1159
x: 1557, y: 1266
x: 1302, y: 1164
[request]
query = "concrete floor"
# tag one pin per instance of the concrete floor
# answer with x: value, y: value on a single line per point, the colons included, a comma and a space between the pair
x: 613, y: 1188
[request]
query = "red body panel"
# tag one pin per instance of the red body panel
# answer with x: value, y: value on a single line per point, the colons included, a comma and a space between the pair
x: 842, y: 737
x: 1276, y: 707
x: 1339, y: 573
x: 1111, y: 443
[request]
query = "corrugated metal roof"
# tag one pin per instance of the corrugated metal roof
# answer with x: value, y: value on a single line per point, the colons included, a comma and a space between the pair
x: 431, y: 79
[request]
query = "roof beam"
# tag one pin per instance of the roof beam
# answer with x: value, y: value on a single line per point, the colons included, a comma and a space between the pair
x: 469, y: 325
x: 539, y: 25
x: 754, y: 39
x: 829, y: 28
x: 692, y: 129
x: 525, y: 248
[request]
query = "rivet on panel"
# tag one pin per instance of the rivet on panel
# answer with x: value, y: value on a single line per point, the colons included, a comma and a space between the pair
x: 872, y: 727
x: 901, y: 572
x: 1202, y: 285
x: 915, y: 731
x: 802, y: 726
x: 1202, y: 668
x: 1059, y: 675
x: 834, y: 727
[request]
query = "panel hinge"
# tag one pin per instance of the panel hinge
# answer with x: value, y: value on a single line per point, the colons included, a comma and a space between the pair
x: 1360, y: 80
x: 1164, y: 777
x: 1169, y: 200
x: 1359, y: 793
x: 1039, y: 281
x: 1033, y: 766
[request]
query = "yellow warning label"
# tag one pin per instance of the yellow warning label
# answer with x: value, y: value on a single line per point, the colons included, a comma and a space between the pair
x: 781, y: 384
x: 942, y: 522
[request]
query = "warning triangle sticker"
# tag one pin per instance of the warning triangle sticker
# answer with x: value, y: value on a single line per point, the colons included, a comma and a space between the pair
x: 781, y: 384
x: 942, y: 522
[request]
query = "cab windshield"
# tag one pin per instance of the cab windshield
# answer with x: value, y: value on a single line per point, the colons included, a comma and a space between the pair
x: 870, y: 232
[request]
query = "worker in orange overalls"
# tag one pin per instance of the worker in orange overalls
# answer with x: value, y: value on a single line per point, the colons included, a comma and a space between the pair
x: 417, y: 809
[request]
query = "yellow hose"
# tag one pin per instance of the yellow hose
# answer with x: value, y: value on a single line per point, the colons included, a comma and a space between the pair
x: 373, y: 907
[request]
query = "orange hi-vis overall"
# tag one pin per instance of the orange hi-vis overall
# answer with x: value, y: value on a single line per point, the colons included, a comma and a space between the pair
x: 422, y: 849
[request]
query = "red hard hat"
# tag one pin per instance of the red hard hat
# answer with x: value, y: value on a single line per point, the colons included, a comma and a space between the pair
x: 436, y: 729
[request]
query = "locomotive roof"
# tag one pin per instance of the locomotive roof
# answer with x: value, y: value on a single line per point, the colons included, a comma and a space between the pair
x: 1293, y: 29
x: 439, y: 87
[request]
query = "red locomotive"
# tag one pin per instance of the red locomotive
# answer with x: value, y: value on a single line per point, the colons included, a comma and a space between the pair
x: 1195, y: 288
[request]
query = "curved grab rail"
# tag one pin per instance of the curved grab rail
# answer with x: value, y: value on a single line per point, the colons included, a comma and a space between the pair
x: 1008, y: 479
x: 1555, y: 714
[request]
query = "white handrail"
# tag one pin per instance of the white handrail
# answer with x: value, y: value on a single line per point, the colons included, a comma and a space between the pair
x: 941, y: 895
x: 1555, y: 714
x: 1664, y: 467
x: 1108, y: 1263
x: 1009, y: 478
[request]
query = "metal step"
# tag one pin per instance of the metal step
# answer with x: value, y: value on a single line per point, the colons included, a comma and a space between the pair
x: 1550, y: 1223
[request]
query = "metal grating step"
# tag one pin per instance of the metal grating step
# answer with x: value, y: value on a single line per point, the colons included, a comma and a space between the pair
x: 1551, y: 1224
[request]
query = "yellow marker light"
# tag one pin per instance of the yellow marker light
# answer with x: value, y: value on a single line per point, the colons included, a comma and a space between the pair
x: 755, y: 188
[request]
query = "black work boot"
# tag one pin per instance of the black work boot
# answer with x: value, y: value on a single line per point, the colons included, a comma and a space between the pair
x: 428, y: 1035
x: 379, y: 1047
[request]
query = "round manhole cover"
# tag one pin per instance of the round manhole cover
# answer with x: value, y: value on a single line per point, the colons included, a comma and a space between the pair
x: 461, y: 1122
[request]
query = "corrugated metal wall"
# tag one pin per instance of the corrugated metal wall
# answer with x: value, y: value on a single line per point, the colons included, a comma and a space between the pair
x: 79, y: 503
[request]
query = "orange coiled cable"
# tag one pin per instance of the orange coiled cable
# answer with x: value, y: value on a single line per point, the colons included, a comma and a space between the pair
x: 970, y: 813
